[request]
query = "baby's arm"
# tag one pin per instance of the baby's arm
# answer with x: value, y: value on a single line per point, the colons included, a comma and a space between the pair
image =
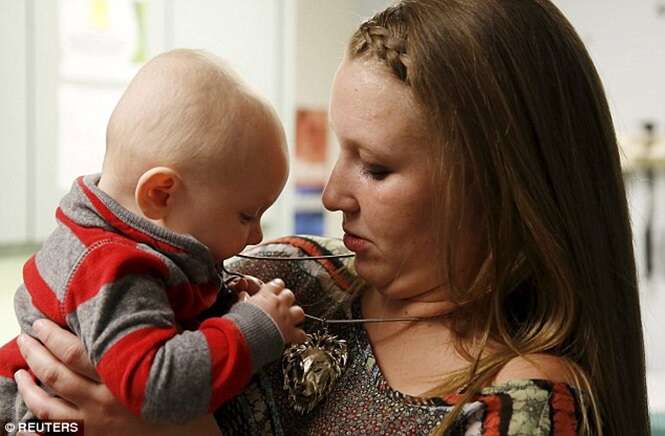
x: 122, y: 314
x: 62, y: 363
x: 12, y: 408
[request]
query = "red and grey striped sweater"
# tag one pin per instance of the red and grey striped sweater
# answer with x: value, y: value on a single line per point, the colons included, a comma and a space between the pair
x: 122, y: 284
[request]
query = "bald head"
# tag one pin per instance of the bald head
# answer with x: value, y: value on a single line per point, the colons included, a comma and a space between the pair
x: 186, y: 110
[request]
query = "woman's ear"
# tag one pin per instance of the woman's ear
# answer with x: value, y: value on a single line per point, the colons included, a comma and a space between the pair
x: 155, y: 190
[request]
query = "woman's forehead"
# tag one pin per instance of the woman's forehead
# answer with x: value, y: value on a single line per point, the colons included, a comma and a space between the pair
x: 369, y: 105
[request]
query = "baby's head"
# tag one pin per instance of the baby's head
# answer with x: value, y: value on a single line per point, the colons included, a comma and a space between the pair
x: 192, y: 149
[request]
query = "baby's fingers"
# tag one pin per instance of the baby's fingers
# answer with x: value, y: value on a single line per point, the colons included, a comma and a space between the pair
x: 248, y: 284
x: 298, y: 336
x: 287, y: 297
x: 297, y: 314
x: 253, y: 285
x: 274, y: 286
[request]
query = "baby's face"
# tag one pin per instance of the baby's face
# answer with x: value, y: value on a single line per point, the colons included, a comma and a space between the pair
x: 225, y: 213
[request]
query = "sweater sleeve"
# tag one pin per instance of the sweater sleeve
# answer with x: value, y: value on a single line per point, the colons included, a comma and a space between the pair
x: 12, y: 407
x: 117, y: 303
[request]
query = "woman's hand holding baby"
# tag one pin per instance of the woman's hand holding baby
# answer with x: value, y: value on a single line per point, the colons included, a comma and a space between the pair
x: 59, y: 360
x: 278, y: 302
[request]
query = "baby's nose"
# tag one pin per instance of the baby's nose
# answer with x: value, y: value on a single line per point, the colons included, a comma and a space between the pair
x: 256, y: 235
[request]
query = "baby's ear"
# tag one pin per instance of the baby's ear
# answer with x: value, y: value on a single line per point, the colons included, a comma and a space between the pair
x: 155, y: 190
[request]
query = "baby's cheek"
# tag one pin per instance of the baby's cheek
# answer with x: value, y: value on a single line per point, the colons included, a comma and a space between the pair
x: 239, y: 243
x: 222, y: 248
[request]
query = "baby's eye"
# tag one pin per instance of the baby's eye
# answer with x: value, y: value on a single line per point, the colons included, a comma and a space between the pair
x: 245, y: 218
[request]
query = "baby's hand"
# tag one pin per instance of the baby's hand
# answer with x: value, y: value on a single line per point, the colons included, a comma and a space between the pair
x: 245, y: 285
x: 278, y: 302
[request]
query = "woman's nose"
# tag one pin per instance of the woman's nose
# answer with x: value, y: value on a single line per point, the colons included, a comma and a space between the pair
x: 336, y: 194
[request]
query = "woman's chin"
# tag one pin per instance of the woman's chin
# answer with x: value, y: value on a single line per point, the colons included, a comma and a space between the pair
x: 371, y: 272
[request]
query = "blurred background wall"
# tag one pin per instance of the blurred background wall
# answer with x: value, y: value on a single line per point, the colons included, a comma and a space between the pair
x: 64, y: 64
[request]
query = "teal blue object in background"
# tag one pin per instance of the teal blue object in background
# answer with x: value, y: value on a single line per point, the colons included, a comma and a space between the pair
x: 309, y: 223
x: 658, y: 424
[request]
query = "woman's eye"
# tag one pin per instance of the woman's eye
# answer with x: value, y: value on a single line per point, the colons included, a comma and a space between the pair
x: 376, y: 172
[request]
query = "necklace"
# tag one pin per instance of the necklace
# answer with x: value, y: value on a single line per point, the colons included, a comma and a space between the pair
x: 311, y: 369
x: 295, y: 258
x: 234, y: 275
x: 371, y: 320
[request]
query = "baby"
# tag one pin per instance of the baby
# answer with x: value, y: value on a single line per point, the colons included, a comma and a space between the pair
x: 193, y: 159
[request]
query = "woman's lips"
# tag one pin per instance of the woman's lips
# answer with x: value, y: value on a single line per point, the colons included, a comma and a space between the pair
x: 355, y: 243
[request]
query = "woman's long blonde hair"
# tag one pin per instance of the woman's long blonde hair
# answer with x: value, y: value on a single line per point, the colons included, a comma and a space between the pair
x: 521, y: 126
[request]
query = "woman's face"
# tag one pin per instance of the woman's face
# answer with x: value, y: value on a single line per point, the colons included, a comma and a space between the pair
x: 382, y: 180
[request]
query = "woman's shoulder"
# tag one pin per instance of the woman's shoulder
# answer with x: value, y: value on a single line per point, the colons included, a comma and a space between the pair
x: 532, y: 406
x: 539, y: 366
x: 538, y: 392
x: 521, y: 407
x: 533, y: 394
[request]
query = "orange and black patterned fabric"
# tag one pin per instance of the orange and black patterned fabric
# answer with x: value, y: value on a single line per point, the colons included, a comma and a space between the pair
x: 362, y: 402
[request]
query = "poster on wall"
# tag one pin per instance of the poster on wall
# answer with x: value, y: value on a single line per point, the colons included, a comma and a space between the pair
x: 310, y: 169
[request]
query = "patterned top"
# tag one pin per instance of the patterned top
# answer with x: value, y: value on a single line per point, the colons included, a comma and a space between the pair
x: 362, y: 402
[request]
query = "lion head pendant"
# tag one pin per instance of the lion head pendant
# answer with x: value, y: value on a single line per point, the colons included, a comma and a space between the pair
x: 312, y: 368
